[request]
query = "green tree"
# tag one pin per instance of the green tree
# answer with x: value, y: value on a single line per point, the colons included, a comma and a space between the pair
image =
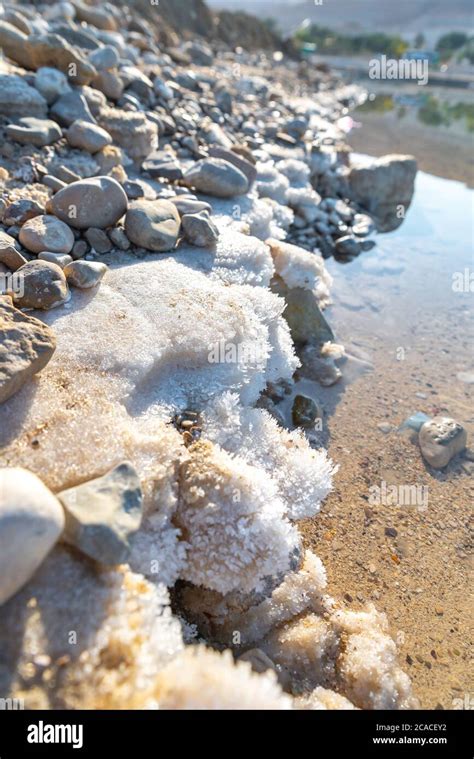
x: 449, y: 43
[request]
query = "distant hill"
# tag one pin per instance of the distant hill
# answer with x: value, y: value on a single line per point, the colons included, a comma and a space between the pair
x: 405, y: 17
x: 175, y: 20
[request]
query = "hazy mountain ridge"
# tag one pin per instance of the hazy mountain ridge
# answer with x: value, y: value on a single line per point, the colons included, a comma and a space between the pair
x: 409, y: 16
x: 188, y: 19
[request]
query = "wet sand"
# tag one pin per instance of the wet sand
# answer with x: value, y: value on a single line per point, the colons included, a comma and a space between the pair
x: 395, y: 309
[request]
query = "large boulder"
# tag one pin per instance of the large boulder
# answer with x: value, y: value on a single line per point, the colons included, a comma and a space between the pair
x: 95, y: 202
x: 383, y: 187
x: 26, y: 346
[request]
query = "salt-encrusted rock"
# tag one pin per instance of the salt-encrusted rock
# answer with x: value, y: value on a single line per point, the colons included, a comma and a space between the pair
x: 72, y: 107
x: 26, y: 346
x: 384, y: 187
x: 305, y: 203
x: 367, y: 665
x: 46, y: 233
x: 271, y: 183
x: 9, y: 255
x: 104, y: 58
x: 348, y: 246
x: 87, y: 136
x: 19, y: 211
x: 136, y: 134
x: 85, y: 274
x: 31, y: 521
x: 17, y: 98
x: 44, y: 286
x: 305, y: 647
x: 102, y: 514
x: 258, y: 660
x: 322, y: 699
x: 53, y: 50
x: 241, y: 163
x: 201, y: 678
x: 300, y: 268
x: 303, y: 314
x: 213, y: 520
x: 32, y: 131
x: 319, y: 367
x: 124, y: 630
x: 189, y: 205
x: 51, y: 83
x: 61, y: 259
x: 214, y: 176
x: 362, y: 225
x: 95, y: 202
x: 153, y: 224
x: 440, y: 439
x: 343, y: 210
x: 302, y: 589
x: 199, y: 229
x: 305, y: 411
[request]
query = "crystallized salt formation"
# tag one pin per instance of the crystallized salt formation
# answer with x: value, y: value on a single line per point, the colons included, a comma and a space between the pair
x: 234, y: 522
x: 298, y: 268
x: 96, y: 636
x: 303, y: 476
x: 161, y: 360
x: 255, y: 615
x: 203, y: 679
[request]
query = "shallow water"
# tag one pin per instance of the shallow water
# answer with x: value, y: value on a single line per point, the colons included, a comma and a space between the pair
x: 417, y: 270
x: 433, y: 123
x: 447, y: 108
x: 404, y: 311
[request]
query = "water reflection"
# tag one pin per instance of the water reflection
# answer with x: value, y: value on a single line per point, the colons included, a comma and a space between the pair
x: 430, y: 109
x: 423, y: 271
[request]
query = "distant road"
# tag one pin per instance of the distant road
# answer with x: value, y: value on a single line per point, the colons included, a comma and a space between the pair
x: 360, y: 67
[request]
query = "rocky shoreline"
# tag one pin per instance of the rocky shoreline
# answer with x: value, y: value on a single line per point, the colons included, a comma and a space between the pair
x: 165, y: 216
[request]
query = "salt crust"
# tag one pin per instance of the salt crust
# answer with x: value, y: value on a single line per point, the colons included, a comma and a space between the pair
x: 129, y: 356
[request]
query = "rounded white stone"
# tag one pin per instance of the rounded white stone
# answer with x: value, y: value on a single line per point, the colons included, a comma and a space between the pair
x: 31, y: 521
